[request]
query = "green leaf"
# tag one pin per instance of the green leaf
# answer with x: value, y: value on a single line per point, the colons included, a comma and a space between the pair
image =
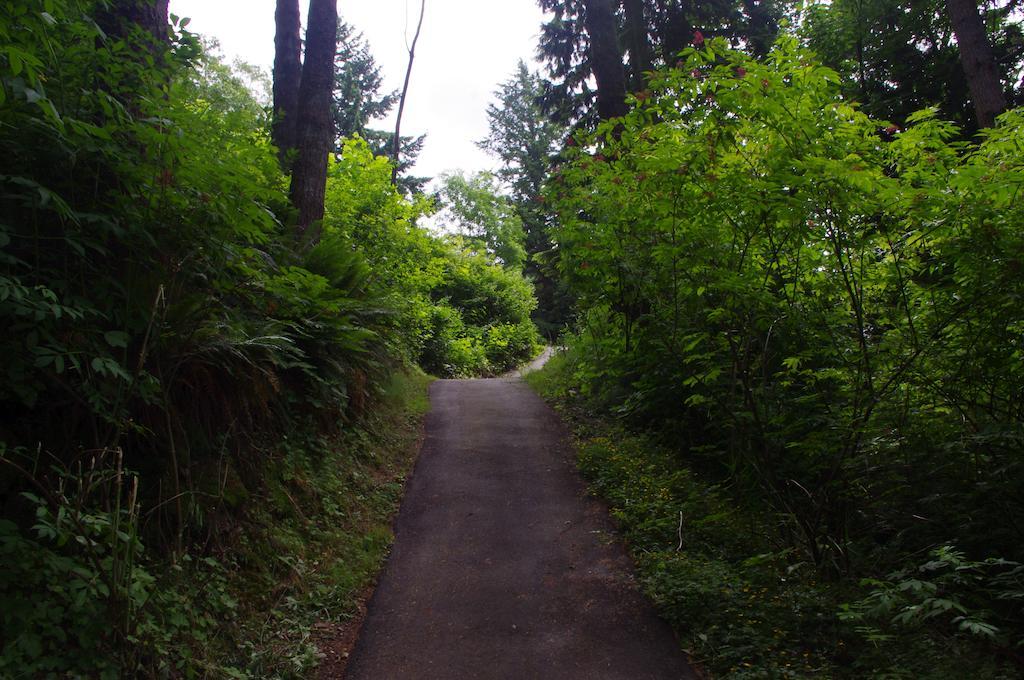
x: 116, y: 338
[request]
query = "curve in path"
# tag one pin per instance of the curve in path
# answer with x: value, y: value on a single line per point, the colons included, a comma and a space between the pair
x: 502, y: 567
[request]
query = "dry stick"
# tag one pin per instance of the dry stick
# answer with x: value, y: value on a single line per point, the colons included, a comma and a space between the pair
x: 123, y: 396
x: 680, y: 531
x: 397, y: 145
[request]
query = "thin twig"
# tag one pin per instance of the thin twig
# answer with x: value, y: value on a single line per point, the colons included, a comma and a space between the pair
x: 397, y: 144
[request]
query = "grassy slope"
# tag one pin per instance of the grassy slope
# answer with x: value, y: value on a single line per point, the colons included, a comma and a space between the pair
x: 308, y: 561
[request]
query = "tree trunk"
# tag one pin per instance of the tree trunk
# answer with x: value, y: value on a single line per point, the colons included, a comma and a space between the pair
x: 673, y: 30
x: 287, y: 76
x: 606, y: 59
x: 978, y: 62
x: 639, y: 47
x: 117, y: 19
x: 314, y: 121
x: 396, y: 150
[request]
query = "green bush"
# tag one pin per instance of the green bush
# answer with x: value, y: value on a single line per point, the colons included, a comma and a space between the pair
x: 455, y: 310
x: 508, y: 344
x: 449, y: 351
x: 80, y: 594
x: 818, y: 308
x: 479, y: 323
x: 160, y: 312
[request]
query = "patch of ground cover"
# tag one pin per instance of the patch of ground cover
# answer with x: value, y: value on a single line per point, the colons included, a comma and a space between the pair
x: 304, y: 578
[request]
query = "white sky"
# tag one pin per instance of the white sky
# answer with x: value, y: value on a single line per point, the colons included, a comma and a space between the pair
x: 467, y: 48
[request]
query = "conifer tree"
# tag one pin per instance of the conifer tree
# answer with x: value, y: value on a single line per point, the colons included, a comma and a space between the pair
x: 606, y: 58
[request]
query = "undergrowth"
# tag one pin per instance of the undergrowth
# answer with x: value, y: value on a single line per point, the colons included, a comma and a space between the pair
x: 326, y: 529
x: 743, y: 603
x: 199, y: 442
x: 301, y: 552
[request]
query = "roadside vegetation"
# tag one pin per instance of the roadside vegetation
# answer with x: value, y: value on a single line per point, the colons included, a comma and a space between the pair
x: 207, y: 414
x: 744, y: 603
x: 809, y: 317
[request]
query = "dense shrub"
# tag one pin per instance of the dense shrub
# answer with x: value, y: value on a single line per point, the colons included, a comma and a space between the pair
x: 458, y: 313
x: 819, y: 306
x: 173, y: 356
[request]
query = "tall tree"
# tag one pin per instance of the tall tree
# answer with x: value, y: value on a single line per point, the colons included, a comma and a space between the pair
x: 762, y: 26
x: 674, y: 26
x: 894, y: 62
x: 358, y: 81
x: 287, y: 75
x: 606, y: 58
x: 638, y: 42
x: 314, y: 125
x: 563, y: 47
x: 520, y: 135
x: 978, y: 61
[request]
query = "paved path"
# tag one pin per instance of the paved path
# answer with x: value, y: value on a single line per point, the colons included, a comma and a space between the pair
x: 534, y: 365
x: 502, y: 568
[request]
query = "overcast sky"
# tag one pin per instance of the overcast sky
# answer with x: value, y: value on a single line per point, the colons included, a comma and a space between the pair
x: 467, y: 48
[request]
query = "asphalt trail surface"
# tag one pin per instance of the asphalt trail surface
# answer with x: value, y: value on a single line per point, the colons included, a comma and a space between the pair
x: 502, y: 567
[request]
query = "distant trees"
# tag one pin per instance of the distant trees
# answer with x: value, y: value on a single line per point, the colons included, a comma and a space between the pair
x: 358, y: 102
x: 357, y: 87
x: 485, y: 220
x: 521, y: 136
x: 526, y: 142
